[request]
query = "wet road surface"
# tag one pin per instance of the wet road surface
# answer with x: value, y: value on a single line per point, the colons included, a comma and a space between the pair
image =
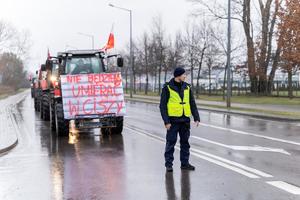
x: 235, y: 157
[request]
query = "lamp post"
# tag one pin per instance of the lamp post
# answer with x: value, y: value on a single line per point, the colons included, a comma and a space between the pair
x: 228, y: 99
x: 131, y: 50
x: 90, y: 36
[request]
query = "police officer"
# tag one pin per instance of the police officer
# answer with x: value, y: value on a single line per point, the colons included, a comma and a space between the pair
x: 177, y: 104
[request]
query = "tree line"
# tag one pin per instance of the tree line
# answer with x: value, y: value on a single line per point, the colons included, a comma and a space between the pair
x: 265, y: 39
x: 14, y: 50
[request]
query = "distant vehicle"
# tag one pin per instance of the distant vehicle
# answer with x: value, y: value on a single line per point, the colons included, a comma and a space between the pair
x: 32, y: 86
x: 41, y: 87
x: 37, y: 90
x: 48, y: 70
x: 81, y: 94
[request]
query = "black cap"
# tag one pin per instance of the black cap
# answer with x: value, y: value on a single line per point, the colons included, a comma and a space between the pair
x: 179, y: 71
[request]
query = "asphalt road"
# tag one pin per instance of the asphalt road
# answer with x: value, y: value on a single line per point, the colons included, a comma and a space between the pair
x: 236, y: 158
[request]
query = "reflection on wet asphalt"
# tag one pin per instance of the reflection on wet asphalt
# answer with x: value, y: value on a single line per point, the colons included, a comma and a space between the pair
x: 131, y: 165
x: 185, y: 186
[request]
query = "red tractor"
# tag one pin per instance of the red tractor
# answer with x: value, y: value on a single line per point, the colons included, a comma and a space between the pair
x: 77, y: 93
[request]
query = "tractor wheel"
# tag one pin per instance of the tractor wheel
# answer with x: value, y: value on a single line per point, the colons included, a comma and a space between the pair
x: 119, y: 128
x: 45, y: 106
x: 62, y: 125
x: 52, y: 117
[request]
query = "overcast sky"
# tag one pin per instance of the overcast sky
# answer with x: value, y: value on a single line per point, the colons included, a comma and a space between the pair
x: 56, y: 23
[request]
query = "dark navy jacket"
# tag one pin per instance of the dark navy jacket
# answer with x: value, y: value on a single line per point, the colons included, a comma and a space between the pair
x: 165, y: 95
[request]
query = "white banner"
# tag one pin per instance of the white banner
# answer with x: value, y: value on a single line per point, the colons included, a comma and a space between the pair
x: 92, y: 94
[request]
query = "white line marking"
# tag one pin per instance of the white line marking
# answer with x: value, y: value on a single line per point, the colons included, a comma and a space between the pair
x: 285, y: 186
x: 250, y: 169
x: 244, y: 148
x: 234, y: 166
x: 238, y: 170
x: 25, y: 155
x: 251, y: 134
x: 247, y: 133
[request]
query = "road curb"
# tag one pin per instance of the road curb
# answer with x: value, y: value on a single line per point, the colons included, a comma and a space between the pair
x: 10, y: 147
x: 15, y: 142
x: 273, y: 118
x: 259, y: 116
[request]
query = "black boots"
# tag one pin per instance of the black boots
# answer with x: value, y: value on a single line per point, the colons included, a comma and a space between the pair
x: 183, y: 167
x: 188, y: 167
x: 169, y: 169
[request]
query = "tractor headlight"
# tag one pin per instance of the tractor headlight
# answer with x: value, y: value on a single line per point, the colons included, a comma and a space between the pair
x: 53, y: 78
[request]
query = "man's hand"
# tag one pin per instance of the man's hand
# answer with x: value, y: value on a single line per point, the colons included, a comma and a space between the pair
x: 168, y: 126
x: 197, y: 123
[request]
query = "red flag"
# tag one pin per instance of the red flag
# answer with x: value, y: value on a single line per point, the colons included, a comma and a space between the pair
x: 111, y: 40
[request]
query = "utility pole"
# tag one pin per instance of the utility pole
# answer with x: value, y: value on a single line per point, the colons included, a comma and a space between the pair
x: 228, y: 100
x: 131, y: 47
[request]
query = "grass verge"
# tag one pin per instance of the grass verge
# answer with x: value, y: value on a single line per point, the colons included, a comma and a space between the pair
x: 6, y: 91
x: 246, y: 99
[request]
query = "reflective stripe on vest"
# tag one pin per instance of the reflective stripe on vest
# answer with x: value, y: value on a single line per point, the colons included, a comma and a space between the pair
x: 177, y: 107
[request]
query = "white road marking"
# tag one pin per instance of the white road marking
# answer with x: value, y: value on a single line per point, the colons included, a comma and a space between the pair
x: 245, y: 133
x: 244, y: 148
x: 250, y: 169
x: 286, y: 187
x: 128, y: 116
x: 231, y: 165
x: 251, y: 134
x: 238, y: 170
x: 25, y: 156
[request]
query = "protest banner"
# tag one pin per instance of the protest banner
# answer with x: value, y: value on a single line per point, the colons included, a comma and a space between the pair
x: 92, y: 94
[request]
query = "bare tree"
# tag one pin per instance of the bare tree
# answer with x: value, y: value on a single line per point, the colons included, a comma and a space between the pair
x: 139, y: 65
x: 7, y: 34
x: 175, y: 53
x: 190, y: 41
x: 146, y: 46
x: 22, y: 45
x: 14, y: 50
x: 168, y: 58
x: 197, y: 40
x: 203, y: 37
x: 160, y: 46
x: 125, y: 69
x: 259, y: 40
x: 212, y: 57
x: 12, y: 70
x: 289, y: 30
x: 134, y: 70
x: 237, y: 51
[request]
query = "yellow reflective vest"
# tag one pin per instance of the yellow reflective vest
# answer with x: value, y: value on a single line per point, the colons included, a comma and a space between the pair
x: 176, y: 106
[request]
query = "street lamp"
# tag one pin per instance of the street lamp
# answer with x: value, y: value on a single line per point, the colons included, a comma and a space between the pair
x: 228, y: 100
x: 131, y: 50
x: 90, y: 36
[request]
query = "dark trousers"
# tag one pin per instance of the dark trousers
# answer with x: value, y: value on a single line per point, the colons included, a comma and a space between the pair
x: 183, y: 128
